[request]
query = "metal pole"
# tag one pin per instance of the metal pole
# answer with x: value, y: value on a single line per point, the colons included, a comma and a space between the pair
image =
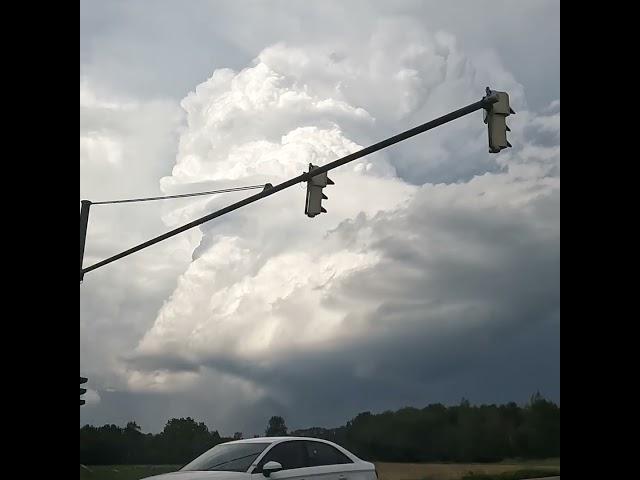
x: 484, y: 103
x: 84, y: 220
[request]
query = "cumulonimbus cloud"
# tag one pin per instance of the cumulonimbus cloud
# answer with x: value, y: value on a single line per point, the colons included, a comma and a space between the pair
x: 430, y: 253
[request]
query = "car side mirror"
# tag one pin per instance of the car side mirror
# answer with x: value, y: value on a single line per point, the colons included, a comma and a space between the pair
x: 271, y: 467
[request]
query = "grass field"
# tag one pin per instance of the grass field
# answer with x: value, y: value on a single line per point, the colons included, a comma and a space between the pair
x: 123, y: 472
x: 457, y: 471
x: 387, y: 471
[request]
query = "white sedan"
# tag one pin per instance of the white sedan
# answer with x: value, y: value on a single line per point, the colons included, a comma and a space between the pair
x: 278, y: 458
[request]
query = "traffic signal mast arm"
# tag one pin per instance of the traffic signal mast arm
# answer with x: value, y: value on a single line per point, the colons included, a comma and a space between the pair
x: 485, y: 103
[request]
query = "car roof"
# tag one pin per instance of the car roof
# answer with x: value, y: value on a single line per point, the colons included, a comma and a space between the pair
x: 274, y: 440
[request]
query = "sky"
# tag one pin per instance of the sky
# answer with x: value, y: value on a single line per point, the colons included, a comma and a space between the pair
x: 433, y: 277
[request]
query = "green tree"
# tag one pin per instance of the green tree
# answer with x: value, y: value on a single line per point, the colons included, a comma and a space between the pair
x: 462, y: 433
x: 132, y: 442
x: 276, y: 427
x: 183, y: 439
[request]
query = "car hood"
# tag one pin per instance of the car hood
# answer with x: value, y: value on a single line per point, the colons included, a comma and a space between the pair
x: 200, y: 476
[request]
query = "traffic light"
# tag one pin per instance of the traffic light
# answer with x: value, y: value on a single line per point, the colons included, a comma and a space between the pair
x: 313, y: 203
x: 82, y: 390
x: 495, y: 116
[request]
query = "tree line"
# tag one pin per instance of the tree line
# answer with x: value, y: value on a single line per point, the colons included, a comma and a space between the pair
x: 435, y: 433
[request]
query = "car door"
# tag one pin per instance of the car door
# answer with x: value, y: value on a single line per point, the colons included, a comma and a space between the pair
x: 292, y: 455
x: 328, y: 463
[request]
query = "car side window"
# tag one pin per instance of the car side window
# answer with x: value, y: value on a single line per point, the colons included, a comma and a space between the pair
x: 324, y: 454
x: 288, y: 454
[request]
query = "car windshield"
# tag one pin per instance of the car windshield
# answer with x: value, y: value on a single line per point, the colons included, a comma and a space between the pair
x: 228, y: 457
